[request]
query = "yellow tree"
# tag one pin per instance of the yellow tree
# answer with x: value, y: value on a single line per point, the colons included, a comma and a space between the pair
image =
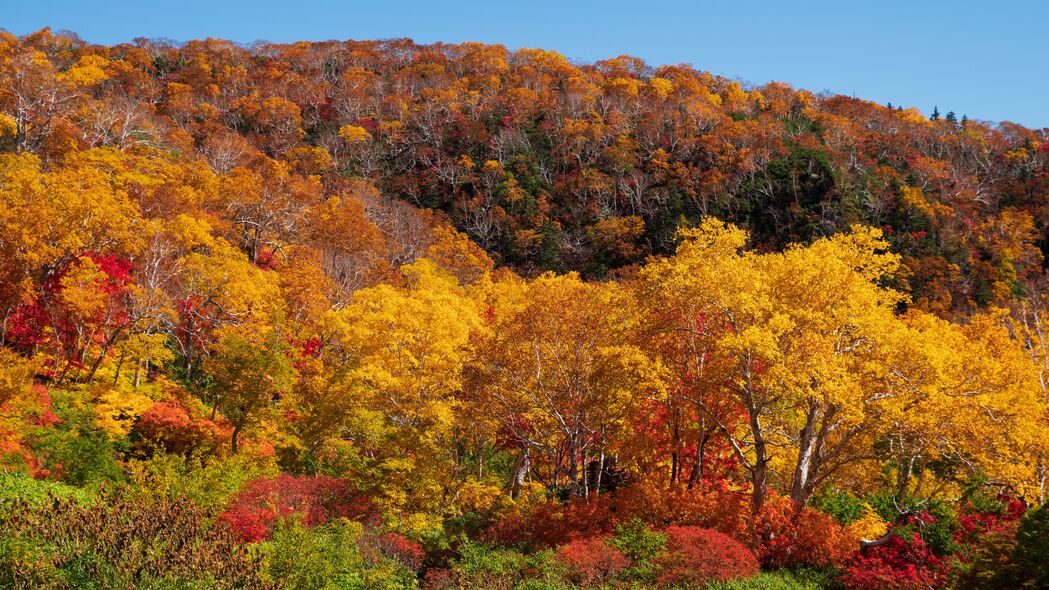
x: 557, y: 367
x: 405, y: 344
x: 800, y: 330
x: 960, y: 401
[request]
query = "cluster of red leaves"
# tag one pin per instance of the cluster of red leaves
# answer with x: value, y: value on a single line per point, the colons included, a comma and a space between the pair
x: 710, y: 505
x: 393, y: 546
x: 266, y: 260
x: 907, y: 562
x: 696, y: 557
x: 973, y: 524
x: 591, y: 562
x: 171, y: 427
x: 899, y: 564
x: 26, y: 327
x: 787, y: 538
x: 314, y: 500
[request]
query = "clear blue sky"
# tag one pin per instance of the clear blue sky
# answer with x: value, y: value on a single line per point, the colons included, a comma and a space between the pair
x: 989, y: 60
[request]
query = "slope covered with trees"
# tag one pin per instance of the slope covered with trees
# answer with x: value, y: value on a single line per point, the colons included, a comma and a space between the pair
x: 383, y: 315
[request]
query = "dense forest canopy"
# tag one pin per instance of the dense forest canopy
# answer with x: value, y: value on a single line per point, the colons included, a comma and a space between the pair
x: 376, y: 314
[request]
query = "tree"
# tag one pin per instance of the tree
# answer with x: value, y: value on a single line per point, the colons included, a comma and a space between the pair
x: 249, y: 377
x: 800, y: 333
x: 405, y: 345
x: 556, y: 366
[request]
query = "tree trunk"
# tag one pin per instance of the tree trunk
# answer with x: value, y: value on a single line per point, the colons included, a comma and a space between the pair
x: 233, y: 438
x: 801, y: 483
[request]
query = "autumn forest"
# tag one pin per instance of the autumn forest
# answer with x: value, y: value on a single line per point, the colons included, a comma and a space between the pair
x: 379, y: 314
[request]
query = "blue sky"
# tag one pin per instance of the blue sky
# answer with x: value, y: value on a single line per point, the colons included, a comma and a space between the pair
x: 989, y: 60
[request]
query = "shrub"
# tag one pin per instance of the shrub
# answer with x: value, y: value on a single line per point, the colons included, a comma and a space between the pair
x: 124, y: 543
x: 1032, y: 546
x: 38, y: 493
x: 899, y: 564
x: 170, y: 427
x: 591, y: 561
x: 640, y: 545
x: 389, y: 545
x: 330, y: 556
x: 786, y: 538
x: 711, y: 505
x: 697, y: 557
x: 210, y: 482
x: 316, y: 500
x: 990, y: 563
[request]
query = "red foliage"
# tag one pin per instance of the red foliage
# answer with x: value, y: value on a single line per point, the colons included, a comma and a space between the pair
x: 315, y: 500
x: 708, y: 505
x: 697, y: 556
x: 396, y: 547
x: 591, y: 561
x: 170, y: 426
x: 265, y: 260
x: 974, y: 524
x: 26, y: 327
x: 438, y: 578
x: 897, y: 565
x: 550, y: 523
x: 786, y: 538
x: 711, y: 505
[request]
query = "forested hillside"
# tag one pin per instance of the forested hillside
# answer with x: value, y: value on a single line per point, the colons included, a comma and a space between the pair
x: 375, y: 314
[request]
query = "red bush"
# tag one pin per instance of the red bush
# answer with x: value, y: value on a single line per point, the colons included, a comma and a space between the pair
x: 591, y: 561
x: 315, y: 500
x: 897, y: 565
x: 786, y: 538
x: 551, y: 522
x: 395, y: 547
x: 697, y: 557
x: 708, y: 505
x: 170, y: 426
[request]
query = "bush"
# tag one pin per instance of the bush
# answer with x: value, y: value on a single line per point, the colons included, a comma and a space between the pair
x: 1032, y: 546
x: 591, y: 561
x: 38, y: 493
x: 315, y: 500
x: 786, y: 539
x: 210, y: 482
x: 482, y: 567
x: 640, y: 545
x: 330, y: 557
x: 124, y: 543
x: 899, y: 564
x: 170, y: 427
x: 697, y: 557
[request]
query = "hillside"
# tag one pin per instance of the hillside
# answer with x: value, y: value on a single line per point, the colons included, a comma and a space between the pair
x: 375, y: 314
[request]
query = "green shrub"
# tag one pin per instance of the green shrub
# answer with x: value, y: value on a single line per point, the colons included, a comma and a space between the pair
x: 641, y: 545
x: 780, y: 580
x: 482, y: 567
x: 1032, y: 546
x: 329, y: 557
x: 35, y: 492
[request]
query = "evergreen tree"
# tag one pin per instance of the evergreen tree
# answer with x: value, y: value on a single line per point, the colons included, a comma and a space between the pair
x: 935, y: 114
x: 951, y: 117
